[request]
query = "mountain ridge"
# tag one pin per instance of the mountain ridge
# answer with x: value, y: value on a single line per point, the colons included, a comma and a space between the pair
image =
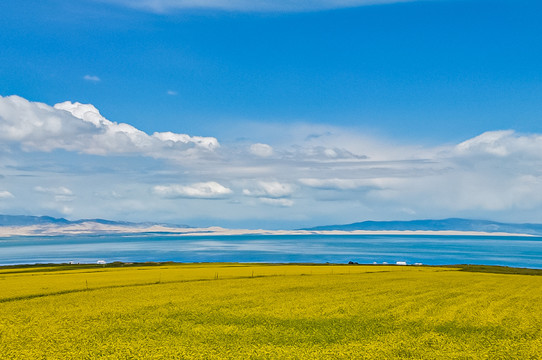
x: 29, y: 220
x: 449, y: 224
x: 454, y: 224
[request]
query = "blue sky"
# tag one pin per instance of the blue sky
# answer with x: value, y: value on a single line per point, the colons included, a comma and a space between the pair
x: 295, y: 115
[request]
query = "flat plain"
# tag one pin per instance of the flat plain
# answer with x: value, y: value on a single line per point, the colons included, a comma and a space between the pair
x: 268, y: 311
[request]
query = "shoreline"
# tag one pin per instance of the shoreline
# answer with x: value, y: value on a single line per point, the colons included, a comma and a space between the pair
x: 91, y: 228
x: 495, y: 269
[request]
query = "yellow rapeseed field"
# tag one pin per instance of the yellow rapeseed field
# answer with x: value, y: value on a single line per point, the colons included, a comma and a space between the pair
x: 244, y: 311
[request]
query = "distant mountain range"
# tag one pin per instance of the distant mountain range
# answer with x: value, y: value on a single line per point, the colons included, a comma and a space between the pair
x: 24, y: 220
x: 454, y: 224
x: 46, y: 223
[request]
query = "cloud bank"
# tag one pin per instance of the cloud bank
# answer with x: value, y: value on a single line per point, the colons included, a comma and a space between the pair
x: 301, y: 175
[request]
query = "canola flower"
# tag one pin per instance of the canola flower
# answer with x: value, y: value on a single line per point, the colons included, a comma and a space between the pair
x: 255, y: 311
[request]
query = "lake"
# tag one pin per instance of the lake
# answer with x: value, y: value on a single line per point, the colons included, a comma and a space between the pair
x: 427, y: 249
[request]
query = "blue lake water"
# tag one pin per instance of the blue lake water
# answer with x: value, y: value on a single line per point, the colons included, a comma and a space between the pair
x: 426, y: 249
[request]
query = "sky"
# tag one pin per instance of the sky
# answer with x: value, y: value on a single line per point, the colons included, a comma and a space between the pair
x: 271, y: 114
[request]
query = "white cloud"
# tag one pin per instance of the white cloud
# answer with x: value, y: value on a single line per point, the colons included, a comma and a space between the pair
x: 248, y: 5
x: 81, y: 128
x: 60, y: 193
x: 4, y: 194
x: 60, y: 190
x: 202, y: 190
x: 262, y: 150
x: 333, y: 174
x: 502, y: 144
x: 92, y: 78
x: 172, y: 140
x: 269, y: 189
x: 277, y: 202
x: 171, y: 92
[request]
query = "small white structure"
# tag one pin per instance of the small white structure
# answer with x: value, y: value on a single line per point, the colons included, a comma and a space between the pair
x: 400, y: 263
x: 100, y: 262
x: 418, y: 264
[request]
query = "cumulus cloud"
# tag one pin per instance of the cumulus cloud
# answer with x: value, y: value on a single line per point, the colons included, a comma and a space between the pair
x: 4, y: 194
x: 502, y: 143
x: 171, y: 92
x: 262, y: 150
x: 92, y: 78
x: 81, y: 128
x: 333, y: 174
x: 202, y: 190
x: 495, y: 172
x: 248, y: 5
x: 269, y: 189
